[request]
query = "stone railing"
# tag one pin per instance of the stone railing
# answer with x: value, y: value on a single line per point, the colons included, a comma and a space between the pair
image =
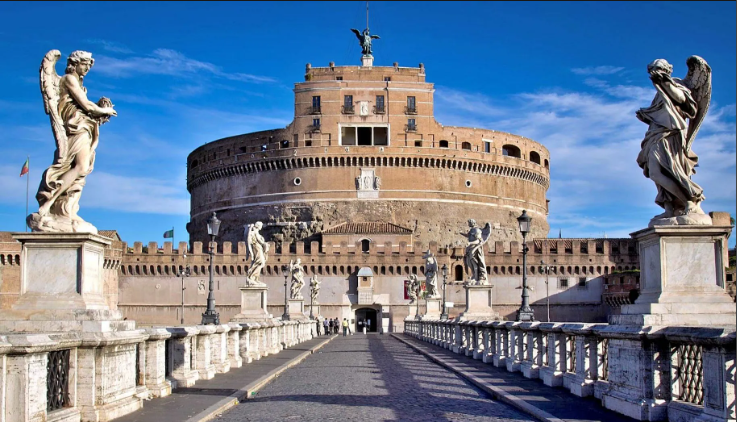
x: 45, y: 377
x: 648, y: 373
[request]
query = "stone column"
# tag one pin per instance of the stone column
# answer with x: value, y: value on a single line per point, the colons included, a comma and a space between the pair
x: 514, y: 358
x: 490, y: 343
x: 219, y: 349
x: 530, y: 367
x: 234, y: 343
x: 203, y: 362
x: 500, y: 354
x: 182, y: 365
x: 155, y: 356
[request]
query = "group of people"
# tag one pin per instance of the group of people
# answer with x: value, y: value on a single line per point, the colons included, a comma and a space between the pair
x: 332, y: 326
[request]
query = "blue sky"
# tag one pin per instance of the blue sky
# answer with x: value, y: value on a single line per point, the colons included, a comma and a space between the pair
x: 569, y: 75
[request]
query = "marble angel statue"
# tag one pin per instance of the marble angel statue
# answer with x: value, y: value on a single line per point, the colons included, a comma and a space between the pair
x: 298, y: 279
x: 666, y: 156
x: 258, y: 251
x: 474, y: 257
x: 413, y: 289
x: 314, y: 289
x: 431, y: 275
x: 75, y: 122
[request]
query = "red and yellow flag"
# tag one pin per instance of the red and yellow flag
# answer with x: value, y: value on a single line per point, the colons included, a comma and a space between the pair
x: 24, y: 170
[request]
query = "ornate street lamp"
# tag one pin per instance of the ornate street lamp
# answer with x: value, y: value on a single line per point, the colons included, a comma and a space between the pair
x: 185, y: 273
x: 285, y: 315
x: 444, y: 315
x: 525, y: 313
x: 210, y: 316
x: 546, y: 268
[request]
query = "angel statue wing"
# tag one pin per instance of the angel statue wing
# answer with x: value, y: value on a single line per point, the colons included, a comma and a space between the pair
x: 247, y: 235
x: 358, y: 34
x: 50, y: 92
x: 486, y: 233
x: 698, y: 80
x: 374, y: 37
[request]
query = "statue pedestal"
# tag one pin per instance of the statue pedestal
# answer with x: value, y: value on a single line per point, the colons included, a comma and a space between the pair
x: 253, y: 305
x: 61, y: 297
x: 367, y: 60
x: 433, y: 308
x: 296, y: 309
x: 682, y: 278
x: 478, y: 304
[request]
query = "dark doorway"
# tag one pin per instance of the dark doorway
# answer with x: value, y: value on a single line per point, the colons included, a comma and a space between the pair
x: 459, y: 273
x: 364, y: 136
x: 363, y: 315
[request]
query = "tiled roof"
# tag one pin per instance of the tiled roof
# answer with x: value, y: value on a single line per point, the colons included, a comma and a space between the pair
x: 111, y: 234
x: 367, y: 228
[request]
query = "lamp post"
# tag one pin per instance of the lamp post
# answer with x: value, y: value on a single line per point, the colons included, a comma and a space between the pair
x: 185, y: 273
x: 546, y: 268
x: 285, y: 315
x: 525, y: 313
x: 210, y: 316
x: 312, y: 301
x: 444, y: 315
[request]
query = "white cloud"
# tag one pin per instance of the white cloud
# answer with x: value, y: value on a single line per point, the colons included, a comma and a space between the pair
x: 597, y: 70
x: 111, y: 46
x: 168, y: 62
x: 135, y: 194
x: 594, y: 138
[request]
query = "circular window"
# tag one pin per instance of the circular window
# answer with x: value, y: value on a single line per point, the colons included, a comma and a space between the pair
x: 468, y: 183
x: 297, y: 181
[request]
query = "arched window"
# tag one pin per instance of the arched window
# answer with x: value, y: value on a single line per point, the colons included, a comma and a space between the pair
x: 459, y: 273
x: 443, y: 144
x: 194, y: 164
x: 547, y: 164
x: 466, y: 146
x: 365, y: 245
x: 511, y: 151
x: 535, y: 157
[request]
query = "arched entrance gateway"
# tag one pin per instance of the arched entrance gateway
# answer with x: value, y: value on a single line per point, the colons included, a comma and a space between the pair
x: 362, y: 316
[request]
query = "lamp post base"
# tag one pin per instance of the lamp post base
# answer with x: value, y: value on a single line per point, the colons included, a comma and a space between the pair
x: 443, y: 317
x: 525, y: 315
x: 211, y: 317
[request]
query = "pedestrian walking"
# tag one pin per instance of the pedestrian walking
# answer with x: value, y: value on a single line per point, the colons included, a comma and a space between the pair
x: 331, y: 325
x: 368, y: 325
x: 325, y: 326
x: 317, y: 322
x: 345, y: 327
x: 337, y: 325
x: 364, y: 327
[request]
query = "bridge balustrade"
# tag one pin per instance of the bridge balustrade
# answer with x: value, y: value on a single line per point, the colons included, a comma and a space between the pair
x: 648, y: 373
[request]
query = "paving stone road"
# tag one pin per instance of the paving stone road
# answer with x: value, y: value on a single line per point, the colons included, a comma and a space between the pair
x: 370, y: 378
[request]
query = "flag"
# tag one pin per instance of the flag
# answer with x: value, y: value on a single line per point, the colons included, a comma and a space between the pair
x: 24, y: 170
x: 560, y: 234
x: 169, y: 234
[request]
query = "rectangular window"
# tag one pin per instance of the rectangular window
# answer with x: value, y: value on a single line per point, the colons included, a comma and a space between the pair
x: 387, y: 78
x: 316, y: 104
x: 348, y: 104
x: 380, y: 104
x: 487, y: 147
x: 316, y: 123
x: 411, y: 125
x: 411, y: 105
x: 582, y: 282
x: 284, y: 144
x: 264, y: 147
x: 418, y: 143
x: 562, y: 283
x: 338, y: 78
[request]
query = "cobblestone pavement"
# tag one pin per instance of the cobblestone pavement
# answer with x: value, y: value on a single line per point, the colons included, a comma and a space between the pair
x: 370, y: 378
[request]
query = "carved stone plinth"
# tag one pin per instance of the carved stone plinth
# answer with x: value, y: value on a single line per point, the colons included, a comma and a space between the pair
x: 433, y: 308
x: 367, y: 60
x: 62, y: 286
x: 296, y: 309
x: 682, y: 278
x: 478, y: 304
x: 253, y: 305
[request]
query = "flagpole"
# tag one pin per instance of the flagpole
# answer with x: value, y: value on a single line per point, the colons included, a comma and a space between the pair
x: 28, y: 178
x: 173, y: 243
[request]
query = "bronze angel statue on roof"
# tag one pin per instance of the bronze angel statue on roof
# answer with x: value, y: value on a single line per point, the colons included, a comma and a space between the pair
x: 365, y: 40
x: 75, y: 122
x: 666, y: 156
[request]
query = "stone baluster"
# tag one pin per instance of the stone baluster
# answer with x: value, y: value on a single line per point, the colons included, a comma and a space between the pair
x: 500, y: 352
x: 233, y: 346
x: 478, y: 341
x: 552, y: 374
x: 219, y: 347
x: 490, y: 343
x: 514, y: 356
x: 581, y: 381
x: 458, y: 338
x: 530, y: 367
x: 203, y: 362
x: 155, y: 356
x: 181, y: 354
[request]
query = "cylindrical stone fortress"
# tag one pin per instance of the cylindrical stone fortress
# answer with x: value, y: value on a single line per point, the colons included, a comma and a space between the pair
x: 364, y: 147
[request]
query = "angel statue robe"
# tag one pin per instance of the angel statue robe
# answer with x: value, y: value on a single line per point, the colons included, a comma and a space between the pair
x: 665, y: 140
